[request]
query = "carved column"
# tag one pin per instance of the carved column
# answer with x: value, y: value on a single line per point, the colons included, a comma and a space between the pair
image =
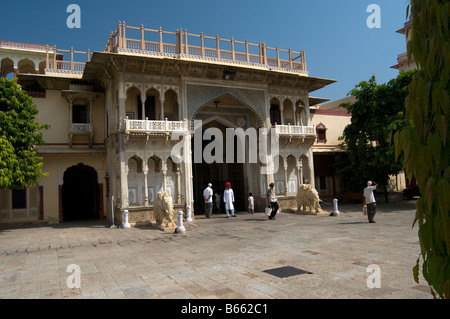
x: 143, y: 99
x: 299, y: 172
x: 178, y: 184
x: 285, y: 167
x: 145, y: 170
x: 312, y: 180
x: 164, y: 172
x: 162, y: 109
x: 123, y: 177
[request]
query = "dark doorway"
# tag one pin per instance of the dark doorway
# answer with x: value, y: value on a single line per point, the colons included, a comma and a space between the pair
x: 80, y: 193
x: 150, y: 108
x: 218, y: 174
x: 275, y: 114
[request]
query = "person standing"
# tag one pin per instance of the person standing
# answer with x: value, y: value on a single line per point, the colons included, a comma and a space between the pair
x: 272, y: 201
x: 369, y: 200
x: 251, y: 204
x: 228, y: 199
x: 207, y: 196
x: 217, y: 201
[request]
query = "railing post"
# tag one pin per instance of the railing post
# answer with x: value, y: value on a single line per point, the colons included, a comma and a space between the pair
x: 186, y: 45
x: 278, y: 56
x: 47, y: 62
x: 247, y: 56
x: 217, y: 45
x: 119, y: 34
x: 291, y: 62
x: 71, y: 59
x: 232, y: 49
x: 142, y: 38
x: 303, y: 61
x: 260, y: 53
x: 124, y: 37
x: 202, y: 44
x: 55, y: 66
x: 161, y: 45
x: 88, y: 55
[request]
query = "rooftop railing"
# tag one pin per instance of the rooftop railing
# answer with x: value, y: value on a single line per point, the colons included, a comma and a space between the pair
x: 188, y: 45
x: 59, y: 60
x: 180, y: 43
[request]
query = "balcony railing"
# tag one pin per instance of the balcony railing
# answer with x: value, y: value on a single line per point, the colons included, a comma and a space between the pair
x: 194, y: 46
x: 81, y: 129
x: 76, y: 128
x: 295, y: 130
x: 148, y: 126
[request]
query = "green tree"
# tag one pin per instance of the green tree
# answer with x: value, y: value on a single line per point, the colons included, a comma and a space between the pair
x: 20, y: 167
x: 425, y: 144
x: 377, y: 112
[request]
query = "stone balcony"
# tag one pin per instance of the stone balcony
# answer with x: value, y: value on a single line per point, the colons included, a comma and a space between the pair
x: 81, y: 129
x: 154, y: 128
x: 295, y: 130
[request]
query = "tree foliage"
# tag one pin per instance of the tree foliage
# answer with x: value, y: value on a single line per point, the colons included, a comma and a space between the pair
x: 377, y: 112
x: 20, y: 167
x: 425, y: 144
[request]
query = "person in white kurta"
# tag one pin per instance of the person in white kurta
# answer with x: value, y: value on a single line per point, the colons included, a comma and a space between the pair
x: 228, y: 199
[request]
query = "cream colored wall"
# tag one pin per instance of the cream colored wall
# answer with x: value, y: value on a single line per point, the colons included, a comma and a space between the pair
x: 335, y: 125
x: 54, y: 111
x: 55, y: 166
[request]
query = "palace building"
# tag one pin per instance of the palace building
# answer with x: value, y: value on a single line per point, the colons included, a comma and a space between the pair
x: 117, y: 116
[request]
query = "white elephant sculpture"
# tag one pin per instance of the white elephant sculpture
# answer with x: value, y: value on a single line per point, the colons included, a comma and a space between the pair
x: 307, y: 197
x: 163, y: 208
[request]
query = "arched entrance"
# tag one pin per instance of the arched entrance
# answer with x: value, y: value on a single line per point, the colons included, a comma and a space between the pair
x: 80, y: 195
x: 223, y: 113
x: 218, y: 173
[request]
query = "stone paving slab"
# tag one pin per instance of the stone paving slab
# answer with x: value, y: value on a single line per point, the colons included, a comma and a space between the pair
x: 223, y: 258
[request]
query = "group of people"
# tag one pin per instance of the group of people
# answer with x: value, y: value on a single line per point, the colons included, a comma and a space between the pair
x: 228, y: 199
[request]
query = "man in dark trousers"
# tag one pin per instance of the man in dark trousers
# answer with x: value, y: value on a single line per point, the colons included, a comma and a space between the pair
x: 272, y: 201
x: 369, y: 200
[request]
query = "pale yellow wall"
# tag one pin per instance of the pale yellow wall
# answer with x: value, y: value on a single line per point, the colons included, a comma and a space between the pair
x: 55, y: 166
x: 54, y: 111
x: 335, y: 125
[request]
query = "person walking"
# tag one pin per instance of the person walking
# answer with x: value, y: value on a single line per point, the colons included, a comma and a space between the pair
x: 272, y: 201
x: 228, y: 199
x: 251, y: 204
x: 207, y: 196
x: 369, y: 200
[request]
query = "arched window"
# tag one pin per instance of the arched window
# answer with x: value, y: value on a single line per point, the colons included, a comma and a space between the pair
x: 321, y: 131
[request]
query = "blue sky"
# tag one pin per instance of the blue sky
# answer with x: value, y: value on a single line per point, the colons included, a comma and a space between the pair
x: 334, y: 34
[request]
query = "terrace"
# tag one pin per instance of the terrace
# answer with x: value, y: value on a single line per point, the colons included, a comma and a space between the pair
x: 184, y: 45
x: 180, y: 44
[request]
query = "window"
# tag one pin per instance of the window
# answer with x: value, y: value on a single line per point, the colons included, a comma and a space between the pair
x: 80, y: 114
x: 19, y: 199
x: 321, y: 131
x: 275, y: 114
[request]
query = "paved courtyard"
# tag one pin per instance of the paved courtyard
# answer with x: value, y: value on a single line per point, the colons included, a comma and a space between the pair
x: 247, y: 257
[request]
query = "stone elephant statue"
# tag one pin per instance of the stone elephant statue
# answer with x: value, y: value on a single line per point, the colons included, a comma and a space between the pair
x: 308, y: 197
x: 163, y: 208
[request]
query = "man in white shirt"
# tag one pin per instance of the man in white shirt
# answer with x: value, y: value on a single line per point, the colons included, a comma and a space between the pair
x: 369, y: 200
x: 207, y: 196
x: 228, y: 199
x: 272, y: 201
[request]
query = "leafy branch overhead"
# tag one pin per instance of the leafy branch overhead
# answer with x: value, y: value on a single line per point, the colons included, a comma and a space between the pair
x: 425, y: 144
